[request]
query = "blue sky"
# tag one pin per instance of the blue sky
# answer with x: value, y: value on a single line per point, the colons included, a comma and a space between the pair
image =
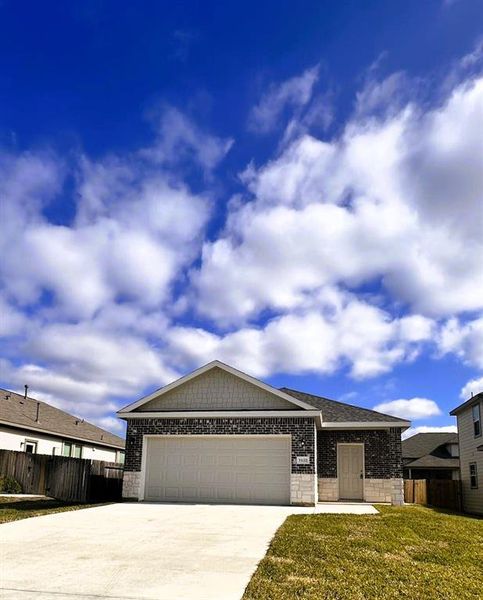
x: 294, y: 189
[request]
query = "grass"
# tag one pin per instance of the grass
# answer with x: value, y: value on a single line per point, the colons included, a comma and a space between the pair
x: 408, y: 552
x: 13, y: 509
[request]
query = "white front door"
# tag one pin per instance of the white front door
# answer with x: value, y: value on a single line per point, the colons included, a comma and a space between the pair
x: 350, y: 471
x: 236, y: 469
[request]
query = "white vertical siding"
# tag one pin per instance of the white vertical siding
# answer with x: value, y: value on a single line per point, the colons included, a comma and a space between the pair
x: 472, y: 498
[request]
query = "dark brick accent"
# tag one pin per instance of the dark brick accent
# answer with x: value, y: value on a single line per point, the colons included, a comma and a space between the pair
x: 301, y: 429
x: 382, y: 451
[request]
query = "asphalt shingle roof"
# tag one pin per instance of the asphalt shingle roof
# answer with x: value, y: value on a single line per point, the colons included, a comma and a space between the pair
x: 430, y: 461
x: 20, y: 411
x: 339, y: 412
x: 422, y: 444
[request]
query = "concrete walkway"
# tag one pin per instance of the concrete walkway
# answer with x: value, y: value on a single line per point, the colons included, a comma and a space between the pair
x: 139, y: 551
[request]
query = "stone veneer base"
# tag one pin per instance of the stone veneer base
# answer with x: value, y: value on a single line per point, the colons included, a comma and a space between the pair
x: 302, y: 489
x: 375, y: 490
x: 130, y: 485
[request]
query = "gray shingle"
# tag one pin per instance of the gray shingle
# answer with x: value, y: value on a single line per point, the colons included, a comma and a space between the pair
x: 338, y: 412
x: 17, y: 410
x: 422, y: 444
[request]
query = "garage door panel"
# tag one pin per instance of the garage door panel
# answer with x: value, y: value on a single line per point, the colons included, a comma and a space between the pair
x: 218, y: 469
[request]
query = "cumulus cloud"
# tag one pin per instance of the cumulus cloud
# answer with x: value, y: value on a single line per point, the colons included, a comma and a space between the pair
x: 87, y: 300
x: 465, y: 340
x: 342, y: 331
x: 405, y: 213
x: 428, y: 429
x: 294, y: 93
x: 471, y: 388
x: 413, y: 408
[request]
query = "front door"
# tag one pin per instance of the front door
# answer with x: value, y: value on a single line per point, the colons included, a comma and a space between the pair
x: 350, y: 471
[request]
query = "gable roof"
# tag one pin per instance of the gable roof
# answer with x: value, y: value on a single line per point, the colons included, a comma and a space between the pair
x: 212, y: 365
x: 422, y: 444
x: 476, y: 398
x: 15, y: 410
x: 334, y: 411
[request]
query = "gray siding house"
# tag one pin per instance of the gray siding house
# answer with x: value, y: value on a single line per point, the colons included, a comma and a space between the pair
x: 219, y: 435
x: 470, y: 435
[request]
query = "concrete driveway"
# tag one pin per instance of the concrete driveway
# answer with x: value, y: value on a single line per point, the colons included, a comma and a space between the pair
x: 141, y: 551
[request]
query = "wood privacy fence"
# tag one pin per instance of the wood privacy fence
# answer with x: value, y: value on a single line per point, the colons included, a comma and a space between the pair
x: 68, y: 479
x: 441, y: 493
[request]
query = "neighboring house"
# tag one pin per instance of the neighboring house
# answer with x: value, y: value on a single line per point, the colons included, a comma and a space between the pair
x: 29, y: 425
x: 219, y: 435
x: 431, y: 456
x: 469, y: 415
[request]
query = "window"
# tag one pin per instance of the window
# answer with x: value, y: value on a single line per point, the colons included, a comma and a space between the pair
x: 30, y: 446
x: 72, y: 450
x: 475, y: 412
x: 473, y: 476
x: 120, y: 456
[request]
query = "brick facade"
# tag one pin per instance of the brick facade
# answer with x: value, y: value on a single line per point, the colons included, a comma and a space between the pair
x: 301, y: 429
x: 382, y: 452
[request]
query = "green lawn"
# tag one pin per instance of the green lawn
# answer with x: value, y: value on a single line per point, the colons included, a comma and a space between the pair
x: 407, y: 552
x: 13, y: 509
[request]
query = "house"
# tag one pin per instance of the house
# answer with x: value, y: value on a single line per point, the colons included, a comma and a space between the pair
x: 219, y: 435
x: 431, y: 456
x: 29, y: 425
x: 470, y: 438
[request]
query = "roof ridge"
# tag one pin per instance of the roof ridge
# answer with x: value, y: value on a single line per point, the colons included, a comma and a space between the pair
x: 344, y: 403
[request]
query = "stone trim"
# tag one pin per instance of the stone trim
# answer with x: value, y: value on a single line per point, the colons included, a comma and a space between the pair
x: 302, y: 489
x: 375, y: 490
x: 131, y: 482
x: 328, y: 489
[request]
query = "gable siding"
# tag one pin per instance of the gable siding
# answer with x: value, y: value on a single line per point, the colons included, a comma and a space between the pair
x: 217, y: 390
x: 472, y: 499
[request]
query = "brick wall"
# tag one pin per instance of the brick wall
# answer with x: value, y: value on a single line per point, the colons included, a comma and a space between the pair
x: 301, y: 429
x: 382, y: 452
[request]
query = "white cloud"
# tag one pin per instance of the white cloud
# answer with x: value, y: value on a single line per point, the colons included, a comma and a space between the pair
x: 342, y: 331
x: 293, y: 93
x: 428, y: 429
x: 413, y: 408
x: 180, y: 139
x: 111, y: 424
x: 473, y: 387
x: 463, y: 339
x: 88, y: 300
x: 406, y: 214
x: 134, y: 231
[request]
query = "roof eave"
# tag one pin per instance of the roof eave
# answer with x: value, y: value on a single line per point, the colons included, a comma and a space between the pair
x: 476, y: 398
x: 212, y: 414
x: 365, y: 424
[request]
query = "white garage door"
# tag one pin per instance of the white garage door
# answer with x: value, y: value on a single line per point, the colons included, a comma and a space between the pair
x: 240, y: 469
